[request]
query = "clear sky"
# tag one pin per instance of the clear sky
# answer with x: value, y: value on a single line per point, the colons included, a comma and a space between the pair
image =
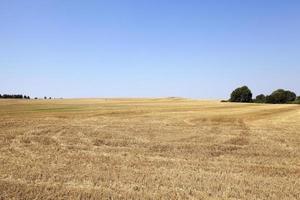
x: 148, y: 48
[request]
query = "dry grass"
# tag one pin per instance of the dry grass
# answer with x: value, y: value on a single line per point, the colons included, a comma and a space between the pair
x: 148, y: 149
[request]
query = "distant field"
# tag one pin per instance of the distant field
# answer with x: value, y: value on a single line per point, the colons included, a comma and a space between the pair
x: 148, y: 149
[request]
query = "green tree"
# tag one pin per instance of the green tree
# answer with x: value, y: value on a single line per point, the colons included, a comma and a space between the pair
x: 291, y: 96
x: 297, y: 100
x: 260, y: 98
x: 242, y: 94
x: 281, y: 96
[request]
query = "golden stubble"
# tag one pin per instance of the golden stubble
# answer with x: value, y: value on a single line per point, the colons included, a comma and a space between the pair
x: 148, y: 149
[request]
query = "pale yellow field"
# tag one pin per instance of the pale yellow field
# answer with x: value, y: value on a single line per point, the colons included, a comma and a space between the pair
x: 148, y: 149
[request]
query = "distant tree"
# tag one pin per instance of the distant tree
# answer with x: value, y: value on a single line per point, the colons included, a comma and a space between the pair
x: 297, y: 100
x: 14, y: 96
x: 35, y: 98
x: 281, y: 96
x: 242, y: 94
x: 270, y: 99
x: 18, y: 96
x: 291, y: 96
x: 45, y: 97
x: 0, y: 96
x: 260, y: 98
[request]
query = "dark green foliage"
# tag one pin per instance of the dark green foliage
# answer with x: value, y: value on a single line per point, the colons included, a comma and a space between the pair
x: 270, y: 99
x: 260, y: 99
x: 242, y: 94
x: 291, y: 96
x: 281, y: 96
x: 224, y: 101
x: 297, y: 100
x: 13, y: 96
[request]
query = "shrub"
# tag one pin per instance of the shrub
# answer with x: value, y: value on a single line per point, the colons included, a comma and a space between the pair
x: 297, y: 100
x: 291, y: 96
x: 260, y: 98
x: 242, y: 94
x: 281, y: 96
x: 12, y: 96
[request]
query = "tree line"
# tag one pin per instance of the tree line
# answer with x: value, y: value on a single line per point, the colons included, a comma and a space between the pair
x: 20, y: 96
x: 14, y: 96
x: 280, y: 96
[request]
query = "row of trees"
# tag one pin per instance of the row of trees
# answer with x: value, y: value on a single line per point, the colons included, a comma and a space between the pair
x: 280, y: 96
x: 18, y: 96
x: 14, y: 96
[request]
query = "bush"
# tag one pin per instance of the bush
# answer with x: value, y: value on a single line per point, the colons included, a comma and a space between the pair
x: 291, y: 96
x: 242, y: 94
x: 297, y: 100
x: 12, y: 96
x: 260, y: 98
x: 281, y: 96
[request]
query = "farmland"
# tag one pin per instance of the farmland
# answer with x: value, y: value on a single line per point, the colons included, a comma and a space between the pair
x: 164, y: 148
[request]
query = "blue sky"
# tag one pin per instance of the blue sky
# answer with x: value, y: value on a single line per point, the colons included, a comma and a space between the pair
x: 143, y: 48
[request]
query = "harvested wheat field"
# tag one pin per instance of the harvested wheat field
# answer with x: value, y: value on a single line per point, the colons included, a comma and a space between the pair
x: 148, y: 149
